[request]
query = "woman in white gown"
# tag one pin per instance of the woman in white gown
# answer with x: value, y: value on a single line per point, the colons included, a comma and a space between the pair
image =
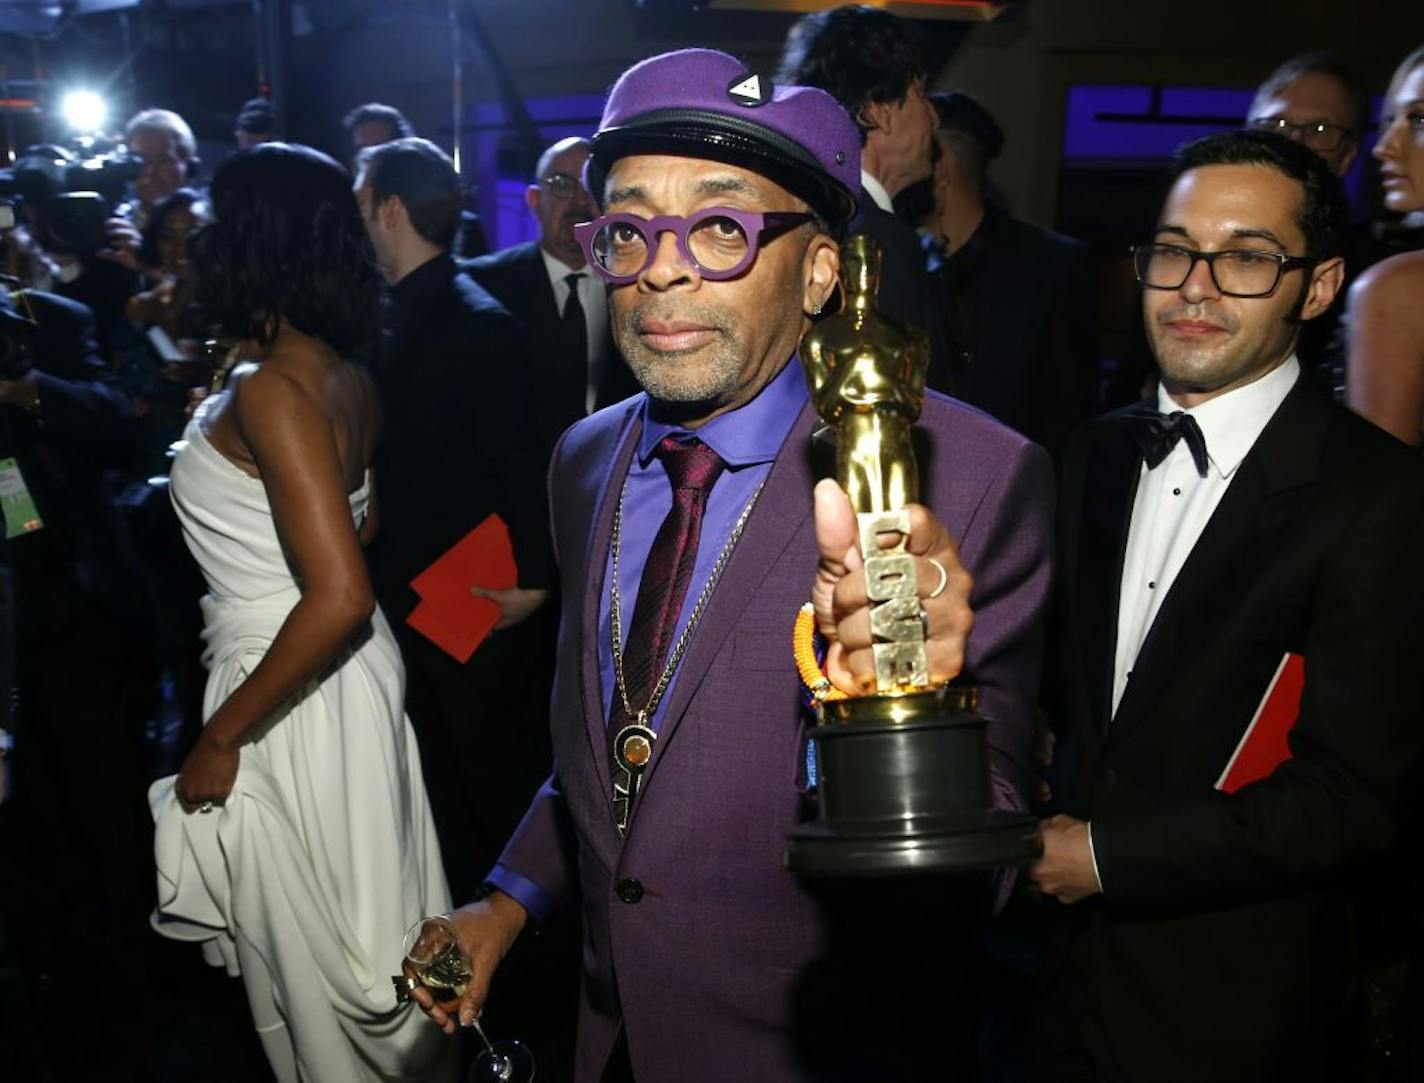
x: 296, y: 843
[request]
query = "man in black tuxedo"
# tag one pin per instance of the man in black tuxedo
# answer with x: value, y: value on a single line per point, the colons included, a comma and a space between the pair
x: 561, y: 307
x: 876, y: 66
x: 1207, y: 932
x: 1017, y: 301
x: 458, y: 445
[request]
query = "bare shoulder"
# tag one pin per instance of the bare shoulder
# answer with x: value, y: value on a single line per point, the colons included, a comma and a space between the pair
x: 1397, y: 282
x: 272, y: 390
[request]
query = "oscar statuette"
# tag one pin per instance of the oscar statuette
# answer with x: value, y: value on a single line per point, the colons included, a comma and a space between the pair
x: 903, y: 772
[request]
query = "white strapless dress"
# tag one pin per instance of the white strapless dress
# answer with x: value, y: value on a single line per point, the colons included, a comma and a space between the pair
x: 325, y: 852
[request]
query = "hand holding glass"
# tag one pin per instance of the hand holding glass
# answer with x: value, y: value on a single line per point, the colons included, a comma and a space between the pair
x: 433, y: 951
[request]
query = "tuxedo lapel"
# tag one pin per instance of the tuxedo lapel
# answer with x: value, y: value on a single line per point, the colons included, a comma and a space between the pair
x: 1234, y: 548
x: 768, y: 532
x: 1109, y: 487
x: 595, y: 563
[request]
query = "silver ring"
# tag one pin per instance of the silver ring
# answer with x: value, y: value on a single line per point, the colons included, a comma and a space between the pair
x: 943, y: 579
x: 206, y: 807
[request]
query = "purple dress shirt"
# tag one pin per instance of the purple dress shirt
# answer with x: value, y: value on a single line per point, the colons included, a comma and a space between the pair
x: 747, y: 439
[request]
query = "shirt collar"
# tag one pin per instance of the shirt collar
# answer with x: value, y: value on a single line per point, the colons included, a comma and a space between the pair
x: 876, y: 191
x: 558, y: 270
x: 749, y: 434
x: 1231, y: 423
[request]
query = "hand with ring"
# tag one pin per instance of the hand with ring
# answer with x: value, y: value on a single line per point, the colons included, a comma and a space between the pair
x: 843, y: 606
x: 208, y: 774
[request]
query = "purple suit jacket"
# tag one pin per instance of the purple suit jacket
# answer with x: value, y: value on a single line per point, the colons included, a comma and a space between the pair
x: 700, y: 969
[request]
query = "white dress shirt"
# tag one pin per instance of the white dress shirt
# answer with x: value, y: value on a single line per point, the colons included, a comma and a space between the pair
x: 1174, y: 504
x: 594, y: 300
x: 876, y: 191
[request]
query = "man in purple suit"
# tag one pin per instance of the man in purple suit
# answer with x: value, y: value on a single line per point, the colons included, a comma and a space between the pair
x: 678, y: 725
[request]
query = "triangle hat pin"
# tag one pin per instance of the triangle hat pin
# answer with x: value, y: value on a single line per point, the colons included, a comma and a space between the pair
x: 750, y: 89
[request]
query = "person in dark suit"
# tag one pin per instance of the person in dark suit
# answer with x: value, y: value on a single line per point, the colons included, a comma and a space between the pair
x: 699, y: 944
x: 1017, y: 301
x: 1241, y: 519
x: 457, y: 446
x: 558, y: 301
x: 876, y: 66
x: 76, y: 841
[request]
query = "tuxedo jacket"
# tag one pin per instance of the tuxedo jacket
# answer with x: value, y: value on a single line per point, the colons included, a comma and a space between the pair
x: 1221, y: 946
x: 695, y: 936
x: 518, y: 277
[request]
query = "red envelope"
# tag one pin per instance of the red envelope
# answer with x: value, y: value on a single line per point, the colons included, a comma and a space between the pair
x: 448, y: 614
x: 1266, y: 743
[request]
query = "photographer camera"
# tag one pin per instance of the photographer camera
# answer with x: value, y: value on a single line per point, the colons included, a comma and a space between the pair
x: 83, y: 209
x: 84, y: 677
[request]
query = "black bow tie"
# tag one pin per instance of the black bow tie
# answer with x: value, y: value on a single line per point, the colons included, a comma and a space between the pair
x: 1157, y: 434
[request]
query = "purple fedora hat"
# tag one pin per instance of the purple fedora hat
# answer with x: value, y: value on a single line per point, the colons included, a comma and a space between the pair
x: 700, y: 103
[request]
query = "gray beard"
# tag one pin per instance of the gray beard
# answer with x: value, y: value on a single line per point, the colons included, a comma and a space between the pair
x: 709, y: 376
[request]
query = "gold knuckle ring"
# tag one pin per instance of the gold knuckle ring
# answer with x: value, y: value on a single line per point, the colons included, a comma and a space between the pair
x: 943, y: 578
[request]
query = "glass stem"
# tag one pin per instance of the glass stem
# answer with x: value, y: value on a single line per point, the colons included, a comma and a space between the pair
x: 475, y: 1024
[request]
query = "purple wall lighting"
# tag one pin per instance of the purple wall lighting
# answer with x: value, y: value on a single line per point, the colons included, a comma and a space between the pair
x: 1140, y: 126
x: 501, y: 195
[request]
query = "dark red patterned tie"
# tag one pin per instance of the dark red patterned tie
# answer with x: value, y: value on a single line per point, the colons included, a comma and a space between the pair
x: 691, y: 468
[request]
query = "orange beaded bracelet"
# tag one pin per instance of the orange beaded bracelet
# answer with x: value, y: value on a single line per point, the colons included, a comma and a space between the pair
x: 803, y: 648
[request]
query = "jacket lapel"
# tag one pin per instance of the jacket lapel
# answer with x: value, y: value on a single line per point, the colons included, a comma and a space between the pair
x: 1240, y: 538
x: 768, y: 532
x: 595, y: 563
x: 541, y: 291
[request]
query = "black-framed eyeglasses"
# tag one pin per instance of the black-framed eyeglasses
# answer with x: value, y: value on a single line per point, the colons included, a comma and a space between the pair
x: 1237, y: 272
x: 1316, y: 134
x: 721, y: 242
x: 561, y: 184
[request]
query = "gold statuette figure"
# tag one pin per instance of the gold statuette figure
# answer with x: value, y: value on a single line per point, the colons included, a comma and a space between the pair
x: 867, y: 378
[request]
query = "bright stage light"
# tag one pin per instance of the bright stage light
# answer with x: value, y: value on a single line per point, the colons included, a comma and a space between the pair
x: 84, y: 110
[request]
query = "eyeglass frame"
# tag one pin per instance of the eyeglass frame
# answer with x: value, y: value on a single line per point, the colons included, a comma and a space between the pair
x: 1284, y: 264
x: 753, y: 223
x: 1285, y: 127
x: 553, y: 182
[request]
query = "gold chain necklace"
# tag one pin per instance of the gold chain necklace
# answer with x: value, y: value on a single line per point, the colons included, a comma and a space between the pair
x: 641, y: 717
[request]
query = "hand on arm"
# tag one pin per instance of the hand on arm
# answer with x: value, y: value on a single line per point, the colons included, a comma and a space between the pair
x: 292, y: 442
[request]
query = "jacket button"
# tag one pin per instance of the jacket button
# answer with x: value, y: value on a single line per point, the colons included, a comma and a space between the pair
x: 1109, y: 778
x: 630, y: 891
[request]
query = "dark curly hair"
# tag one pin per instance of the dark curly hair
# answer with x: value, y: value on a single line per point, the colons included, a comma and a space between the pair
x: 181, y: 200
x: 287, y: 243
x: 860, y: 55
x: 1322, y: 216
